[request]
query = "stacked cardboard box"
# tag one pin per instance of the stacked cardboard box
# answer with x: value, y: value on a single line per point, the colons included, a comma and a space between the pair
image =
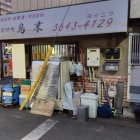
x: 24, y: 90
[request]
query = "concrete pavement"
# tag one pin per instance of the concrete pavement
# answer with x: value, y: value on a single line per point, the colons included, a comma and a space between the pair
x: 15, y: 125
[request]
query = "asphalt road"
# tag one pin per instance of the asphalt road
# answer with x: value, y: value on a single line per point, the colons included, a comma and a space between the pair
x: 16, y: 125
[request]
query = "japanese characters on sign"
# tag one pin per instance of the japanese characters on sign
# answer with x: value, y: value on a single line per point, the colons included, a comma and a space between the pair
x: 21, y: 17
x: 92, y: 21
x: 21, y: 27
x: 92, y: 18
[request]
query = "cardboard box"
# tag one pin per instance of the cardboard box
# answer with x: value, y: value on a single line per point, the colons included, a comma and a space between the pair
x: 25, y: 89
x: 22, y: 97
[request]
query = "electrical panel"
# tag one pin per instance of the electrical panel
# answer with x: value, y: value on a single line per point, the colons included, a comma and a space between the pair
x: 93, y: 57
x: 112, y: 53
x: 116, y: 53
x: 108, y: 53
x: 111, y: 66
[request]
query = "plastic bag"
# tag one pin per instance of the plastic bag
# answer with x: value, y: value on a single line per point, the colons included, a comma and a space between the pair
x: 79, y: 69
x: 104, y: 111
x: 73, y: 68
x: 68, y: 96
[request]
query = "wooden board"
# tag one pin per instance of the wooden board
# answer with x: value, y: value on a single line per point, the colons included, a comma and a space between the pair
x: 18, y: 60
x: 43, y: 107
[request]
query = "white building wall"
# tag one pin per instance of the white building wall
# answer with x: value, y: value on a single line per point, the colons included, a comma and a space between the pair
x: 28, y: 5
x: 135, y: 9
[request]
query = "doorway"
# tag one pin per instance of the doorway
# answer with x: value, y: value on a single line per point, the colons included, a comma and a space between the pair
x: 133, y: 91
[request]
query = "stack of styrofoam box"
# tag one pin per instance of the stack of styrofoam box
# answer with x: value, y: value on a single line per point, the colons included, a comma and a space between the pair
x: 49, y: 81
x: 36, y: 67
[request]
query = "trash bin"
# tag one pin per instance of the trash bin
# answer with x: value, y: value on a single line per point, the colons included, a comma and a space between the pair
x: 82, y: 113
x: 91, y: 100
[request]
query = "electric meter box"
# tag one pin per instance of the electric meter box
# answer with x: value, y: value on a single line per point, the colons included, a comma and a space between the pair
x: 112, y: 66
x: 93, y: 57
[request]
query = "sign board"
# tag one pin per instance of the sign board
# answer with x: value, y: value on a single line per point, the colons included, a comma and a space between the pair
x: 135, y: 9
x: 18, y: 60
x: 83, y: 19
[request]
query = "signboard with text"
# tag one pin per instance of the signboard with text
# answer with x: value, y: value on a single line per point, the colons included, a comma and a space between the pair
x: 84, y: 19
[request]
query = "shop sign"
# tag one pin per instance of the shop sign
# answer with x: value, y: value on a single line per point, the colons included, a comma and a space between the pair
x: 84, y: 19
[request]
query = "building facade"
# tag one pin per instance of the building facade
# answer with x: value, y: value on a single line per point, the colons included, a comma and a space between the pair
x: 5, y: 6
x: 111, y: 70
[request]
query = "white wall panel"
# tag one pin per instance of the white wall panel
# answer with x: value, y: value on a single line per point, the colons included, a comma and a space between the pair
x: 135, y: 9
x: 27, y: 5
x: 79, y: 1
x: 41, y: 4
x: 63, y: 2
x: 21, y: 5
x: 34, y: 4
x: 14, y: 5
x: 71, y: 2
x: 48, y: 3
x: 91, y: 0
x: 55, y: 3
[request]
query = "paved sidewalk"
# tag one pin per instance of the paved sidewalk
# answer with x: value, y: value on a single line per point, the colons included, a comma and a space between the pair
x: 15, y: 125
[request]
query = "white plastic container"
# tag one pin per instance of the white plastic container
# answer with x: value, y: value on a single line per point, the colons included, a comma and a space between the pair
x: 91, y: 100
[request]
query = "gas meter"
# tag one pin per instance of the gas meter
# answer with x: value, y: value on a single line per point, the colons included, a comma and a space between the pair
x: 93, y: 57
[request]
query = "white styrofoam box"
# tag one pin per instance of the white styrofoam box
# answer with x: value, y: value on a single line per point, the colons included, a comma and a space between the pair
x: 91, y: 100
x: 22, y: 97
x: 36, y: 67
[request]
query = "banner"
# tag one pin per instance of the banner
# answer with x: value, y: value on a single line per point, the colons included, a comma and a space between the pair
x: 83, y: 19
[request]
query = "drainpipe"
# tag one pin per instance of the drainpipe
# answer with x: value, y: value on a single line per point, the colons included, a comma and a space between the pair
x: 1, y: 61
